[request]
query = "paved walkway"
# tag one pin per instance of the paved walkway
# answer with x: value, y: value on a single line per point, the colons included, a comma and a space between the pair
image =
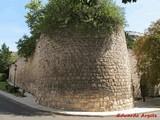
x: 141, y: 107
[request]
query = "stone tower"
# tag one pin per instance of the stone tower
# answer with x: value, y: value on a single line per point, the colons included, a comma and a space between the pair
x: 73, y: 72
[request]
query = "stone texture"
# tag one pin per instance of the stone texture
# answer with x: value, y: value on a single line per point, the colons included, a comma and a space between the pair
x: 134, y: 75
x: 152, y: 91
x: 73, y: 72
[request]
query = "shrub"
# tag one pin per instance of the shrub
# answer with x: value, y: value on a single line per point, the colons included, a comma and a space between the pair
x: 12, y: 89
x: 3, y: 77
x: 93, y: 17
x: 101, y: 17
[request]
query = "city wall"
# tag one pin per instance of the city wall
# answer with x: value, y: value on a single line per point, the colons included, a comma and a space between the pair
x: 73, y: 72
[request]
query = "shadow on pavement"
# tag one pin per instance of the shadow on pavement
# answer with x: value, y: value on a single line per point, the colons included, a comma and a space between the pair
x: 8, y: 106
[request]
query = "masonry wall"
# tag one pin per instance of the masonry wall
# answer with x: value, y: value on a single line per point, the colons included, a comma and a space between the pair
x: 134, y: 75
x: 74, y: 72
x: 152, y: 90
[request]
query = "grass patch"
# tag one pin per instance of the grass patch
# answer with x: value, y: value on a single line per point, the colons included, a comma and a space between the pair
x: 5, y: 86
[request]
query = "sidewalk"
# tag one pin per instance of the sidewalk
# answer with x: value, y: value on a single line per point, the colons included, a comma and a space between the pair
x: 141, y: 107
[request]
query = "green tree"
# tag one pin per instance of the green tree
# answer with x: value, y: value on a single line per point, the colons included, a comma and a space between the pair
x: 82, y: 17
x: 130, y: 41
x: 5, y: 58
x: 14, y: 56
x: 148, y: 56
x: 126, y: 1
x: 26, y: 45
x: 88, y: 17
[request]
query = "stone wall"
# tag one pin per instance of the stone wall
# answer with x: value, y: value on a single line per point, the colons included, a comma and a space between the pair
x: 134, y: 75
x: 152, y: 90
x: 74, y: 72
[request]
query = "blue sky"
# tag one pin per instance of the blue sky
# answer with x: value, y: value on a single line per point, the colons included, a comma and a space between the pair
x: 139, y: 16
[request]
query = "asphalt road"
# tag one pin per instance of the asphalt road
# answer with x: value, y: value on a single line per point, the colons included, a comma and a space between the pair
x: 8, y: 106
x: 11, y: 110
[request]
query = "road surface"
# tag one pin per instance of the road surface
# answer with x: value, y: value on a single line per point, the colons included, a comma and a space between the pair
x: 11, y: 110
x: 8, y: 106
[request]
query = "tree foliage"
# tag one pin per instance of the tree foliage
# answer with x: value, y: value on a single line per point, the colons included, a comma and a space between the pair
x: 101, y: 17
x: 130, y: 41
x: 97, y: 16
x: 26, y: 45
x: 147, y: 50
x: 126, y: 1
x: 5, y: 58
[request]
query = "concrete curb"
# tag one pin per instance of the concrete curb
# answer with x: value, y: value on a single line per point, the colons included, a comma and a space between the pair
x: 29, y: 101
x: 108, y: 114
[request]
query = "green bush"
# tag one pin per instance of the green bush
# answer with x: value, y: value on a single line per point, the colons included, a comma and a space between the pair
x: 101, y: 18
x: 12, y: 89
x: 3, y: 77
x: 89, y: 18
